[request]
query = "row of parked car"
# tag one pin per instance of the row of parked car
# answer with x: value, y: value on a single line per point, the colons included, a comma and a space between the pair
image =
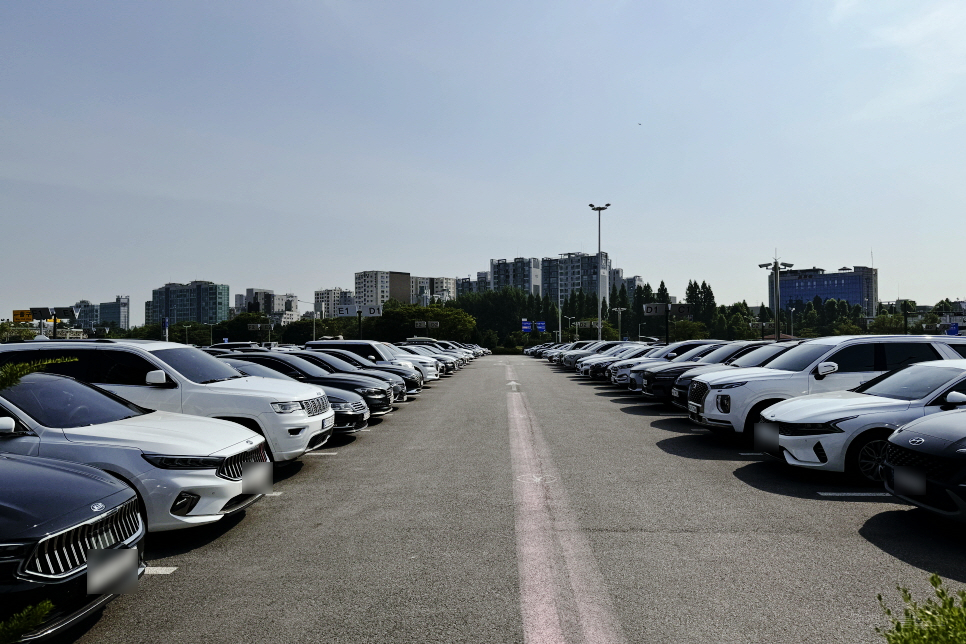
x: 114, y: 439
x: 885, y: 410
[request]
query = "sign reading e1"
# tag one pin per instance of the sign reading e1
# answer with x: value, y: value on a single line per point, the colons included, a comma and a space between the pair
x: 352, y: 311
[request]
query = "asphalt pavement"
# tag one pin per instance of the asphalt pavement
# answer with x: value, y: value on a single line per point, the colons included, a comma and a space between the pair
x: 515, y: 502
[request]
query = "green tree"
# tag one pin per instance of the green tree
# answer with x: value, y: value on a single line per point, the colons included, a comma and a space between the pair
x: 23, y: 622
x: 687, y: 330
x: 662, y: 294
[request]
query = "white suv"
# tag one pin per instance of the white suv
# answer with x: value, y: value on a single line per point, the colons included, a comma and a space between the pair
x: 293, y: 417
x: 733, y: 400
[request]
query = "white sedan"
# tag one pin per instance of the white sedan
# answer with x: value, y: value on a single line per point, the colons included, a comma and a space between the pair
x: 186, y: 470
x: 848, y: 431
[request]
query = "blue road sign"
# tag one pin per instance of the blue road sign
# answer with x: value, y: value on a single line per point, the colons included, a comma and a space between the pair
x: 527, y: 326
x: 541, y: 326
x: 953, y: 329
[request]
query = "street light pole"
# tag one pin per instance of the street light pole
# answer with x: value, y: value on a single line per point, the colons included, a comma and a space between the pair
x: 600, y: 270
x: 776, y: 268
x: 792, y: 320
x: 569, y: 318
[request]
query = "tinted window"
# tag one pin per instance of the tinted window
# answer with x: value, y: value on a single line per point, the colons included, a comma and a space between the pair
x: 254, y: 369
x: 353, y: 359
x: 799, y: 358
x: 82, y: 367
x: 329, y: 360
x: 720, y: 354
x: 123, y: 368
x: 62, y: 403
x: 696, y: 352
x: 196, y: 365
x: 900, y: 354
x: 854, y: 359
x: 911, y: 383
x: 958, y: 348
x: 759, y: 356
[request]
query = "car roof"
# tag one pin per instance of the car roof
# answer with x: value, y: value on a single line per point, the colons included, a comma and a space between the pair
x: 839, y: 339
x: 147, y: 345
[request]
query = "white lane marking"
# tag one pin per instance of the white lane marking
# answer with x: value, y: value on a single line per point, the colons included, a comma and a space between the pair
x: 320, y: 453
x: 363, y: 430
x: 159, y: 570
x: 274, y: 494
x: 513, y: 385
x: 544, y: 526
x: 751, y: 453
x: 854, y: 494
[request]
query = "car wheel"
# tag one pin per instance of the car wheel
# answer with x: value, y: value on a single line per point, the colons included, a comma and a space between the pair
x: 866, y: 456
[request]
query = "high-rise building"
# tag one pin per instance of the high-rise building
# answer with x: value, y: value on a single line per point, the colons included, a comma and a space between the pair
x: 116, y: 314
x: 570, y: 272
x: 373, y: 288
x: 282, y: 308
x: 631, y: 284
x: 521, y: 272
x: 326, y: 300
x: 88, y: 314
x: 856, y: 285
x: 197, y: 301
x: 424, y: 290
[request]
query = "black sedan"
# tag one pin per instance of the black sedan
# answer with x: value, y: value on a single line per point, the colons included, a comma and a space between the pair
x: 659, y: 379
x: 377, y: 393
x: 335, y: 365
x: 351, y: 410
x: 412, y: 378
x: 48, y: 509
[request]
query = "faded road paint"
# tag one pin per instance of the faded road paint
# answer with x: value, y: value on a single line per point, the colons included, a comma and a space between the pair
x: 563, y: 598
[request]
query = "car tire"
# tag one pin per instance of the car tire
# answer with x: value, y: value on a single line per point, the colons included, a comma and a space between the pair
x: 864, y: 458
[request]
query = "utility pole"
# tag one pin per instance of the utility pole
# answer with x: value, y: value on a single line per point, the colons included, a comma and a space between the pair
x: 600, y: 270
x: 359, y: 313
x: 619, y: 311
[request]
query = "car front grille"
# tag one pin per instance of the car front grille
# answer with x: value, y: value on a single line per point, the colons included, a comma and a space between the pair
x: 934, y: 467
x: 697, y: 391
x: 359, y: 407
x: 316, y: 406
x: 65, y: 553
x: 231, y: 469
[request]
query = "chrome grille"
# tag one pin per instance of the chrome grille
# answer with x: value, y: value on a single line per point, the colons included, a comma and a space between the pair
x: 359, y: 407
x: 231, y: 469
x: 316, y: 406
x: 64, y: 554
x: 697, y: 391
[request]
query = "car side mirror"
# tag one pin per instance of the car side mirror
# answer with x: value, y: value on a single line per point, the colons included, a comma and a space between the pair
x: 671, y: 356
x: 8, y: 425
x: 955, y: 398
x: 155, y: 378
x: 372, y: 358
x: 825, y: 368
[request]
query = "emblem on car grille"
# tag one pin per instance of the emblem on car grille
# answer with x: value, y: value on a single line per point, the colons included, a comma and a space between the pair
x: 917, y: 441
x: 97, y: 507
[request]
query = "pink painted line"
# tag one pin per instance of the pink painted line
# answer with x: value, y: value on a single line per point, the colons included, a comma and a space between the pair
x: 556, y: 563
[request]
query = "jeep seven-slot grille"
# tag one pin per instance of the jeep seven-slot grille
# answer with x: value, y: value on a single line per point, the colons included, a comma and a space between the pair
x: 934, y: 467
x: 697, y: 391
x: 232, y: 467
x: 63, y: 554
x: 316, y: 406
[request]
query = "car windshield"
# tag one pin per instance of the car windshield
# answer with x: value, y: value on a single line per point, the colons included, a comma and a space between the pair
x: 252, y: 369
x: 760, y: 356
x: 720, y: 354
x: 694, y: 353
x: 196, y: 365
x: 61, y: 402
x: 334, y: 361
x: 911, y: 383
x: 799, y: 358
x: 312, y: 364
x: 352, y: 359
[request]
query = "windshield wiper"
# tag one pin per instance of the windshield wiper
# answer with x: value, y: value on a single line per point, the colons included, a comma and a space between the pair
x: 208, y: 382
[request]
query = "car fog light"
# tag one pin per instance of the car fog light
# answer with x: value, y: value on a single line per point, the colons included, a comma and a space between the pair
x: 184, y: 504
x: 724, y: 404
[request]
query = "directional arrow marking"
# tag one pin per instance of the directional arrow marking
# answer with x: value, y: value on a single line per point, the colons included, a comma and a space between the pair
x: 513, y: 385
x: 533, y: 478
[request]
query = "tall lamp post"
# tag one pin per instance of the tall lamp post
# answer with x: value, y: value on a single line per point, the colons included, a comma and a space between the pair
x: 315, y: 314
x: 776, y: 268
x: 569, y: 318
x: 186, y: 327
x: 619, y: 311
x: 600, y: 270
x: 792, y: 320
x: 211, y: 332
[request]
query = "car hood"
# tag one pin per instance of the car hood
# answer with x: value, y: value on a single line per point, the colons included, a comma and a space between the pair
x: 348, y: 380
x: 744, y: 374
x: 38, y: 491
x: 622, y: 364
x: 670, y: 366
x: 697, y: 371
x: 820, y: 408
x: 947, y: 426
x: 278, y: 390
x: 379, y: 374
x: 162, y: 432
x: 647, y: 363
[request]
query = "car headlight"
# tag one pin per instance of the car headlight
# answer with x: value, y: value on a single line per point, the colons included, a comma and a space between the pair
x: 729, y: 385
x: 184, y: 462
x: 369, y: 391
x: 830, y: 427
x: 340, y: 406
x: 287, y: 407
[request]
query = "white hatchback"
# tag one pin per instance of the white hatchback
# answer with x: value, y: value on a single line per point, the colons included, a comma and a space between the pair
x: 849, y: 430
x: 186, y: 470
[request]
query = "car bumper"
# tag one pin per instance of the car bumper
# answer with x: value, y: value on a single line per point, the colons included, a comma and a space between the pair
x: 657, y: 391
x: 289, y: 435
x: 697, y: 414
x: 679, y: 397
x: 217, y: 497
x: 807, y: 451
x: 948, y: 500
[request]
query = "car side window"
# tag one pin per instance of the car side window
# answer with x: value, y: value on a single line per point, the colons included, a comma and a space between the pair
x: 958, y: 348
x: 900, y: 354
x: 123, y: 368
x: 856, y: 358
x: 82, y: 367
x: 279, y: 366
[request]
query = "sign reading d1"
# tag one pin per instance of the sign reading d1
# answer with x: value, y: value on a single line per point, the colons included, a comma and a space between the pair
x: 541, y: 327
x: 527, y: 326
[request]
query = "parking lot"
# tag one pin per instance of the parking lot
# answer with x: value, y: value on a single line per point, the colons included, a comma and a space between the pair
x: 517, y: 502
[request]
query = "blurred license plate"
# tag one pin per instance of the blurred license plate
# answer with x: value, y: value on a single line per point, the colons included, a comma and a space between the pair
x: 694, y: 408
x: 328, y: 422
x: 365, y: 416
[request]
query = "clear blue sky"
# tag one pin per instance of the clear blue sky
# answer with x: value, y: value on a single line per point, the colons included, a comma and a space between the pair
x: 286, y: 145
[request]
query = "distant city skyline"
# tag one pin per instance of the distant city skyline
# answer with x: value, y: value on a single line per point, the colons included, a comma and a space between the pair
x: 291, y: 144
